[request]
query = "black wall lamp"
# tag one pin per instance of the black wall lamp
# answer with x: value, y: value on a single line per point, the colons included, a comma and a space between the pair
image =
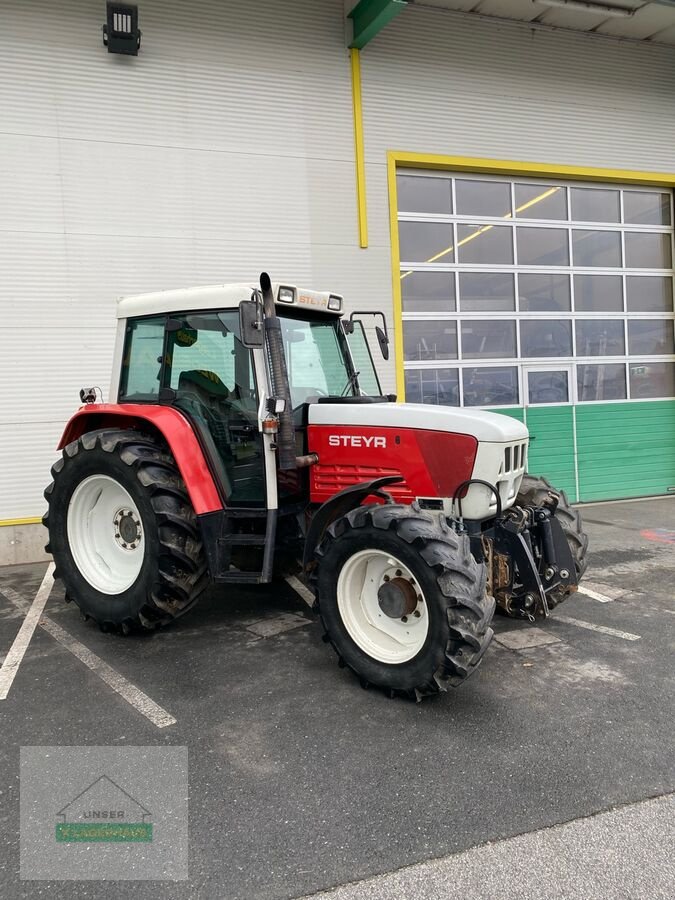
x: 121, y: 33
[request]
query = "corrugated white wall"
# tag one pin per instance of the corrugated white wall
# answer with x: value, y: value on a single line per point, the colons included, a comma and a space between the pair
x: 226, y: 146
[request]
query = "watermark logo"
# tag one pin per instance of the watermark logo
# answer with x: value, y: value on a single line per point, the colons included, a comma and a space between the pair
x: 94, y: 813
x: 104, y: 812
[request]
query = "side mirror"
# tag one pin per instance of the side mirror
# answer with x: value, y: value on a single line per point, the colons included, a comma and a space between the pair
x: 383, y: 341
x: 250, y: 324
x: 382, y: 333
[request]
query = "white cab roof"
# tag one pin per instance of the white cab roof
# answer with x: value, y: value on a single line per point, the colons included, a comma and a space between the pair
x: 212, y: 296
x: 483, y: 425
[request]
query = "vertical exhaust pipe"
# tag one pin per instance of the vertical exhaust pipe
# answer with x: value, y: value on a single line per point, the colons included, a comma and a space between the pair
x: 279, y: 373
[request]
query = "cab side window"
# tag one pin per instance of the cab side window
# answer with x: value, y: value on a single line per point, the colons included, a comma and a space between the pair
x: 211, y: 373
x: 142, y: 360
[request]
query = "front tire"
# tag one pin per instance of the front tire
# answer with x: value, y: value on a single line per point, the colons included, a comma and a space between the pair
x: 124, y: 537
x: 402, y: 599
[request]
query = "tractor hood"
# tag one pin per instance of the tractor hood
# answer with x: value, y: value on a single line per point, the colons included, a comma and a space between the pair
x: 483, y: 425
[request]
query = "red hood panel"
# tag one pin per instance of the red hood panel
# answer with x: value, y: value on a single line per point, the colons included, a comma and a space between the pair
x: 432, y: 463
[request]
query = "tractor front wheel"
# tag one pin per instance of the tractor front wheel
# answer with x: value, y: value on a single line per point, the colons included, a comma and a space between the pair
x: 402, y: 599
x: 122, y: 532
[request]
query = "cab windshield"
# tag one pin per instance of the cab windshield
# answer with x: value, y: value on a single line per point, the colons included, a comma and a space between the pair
x: 318, y: 359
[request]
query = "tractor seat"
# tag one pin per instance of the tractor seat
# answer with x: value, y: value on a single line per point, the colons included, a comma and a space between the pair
x: 205, y: 381
x: 200, y: 393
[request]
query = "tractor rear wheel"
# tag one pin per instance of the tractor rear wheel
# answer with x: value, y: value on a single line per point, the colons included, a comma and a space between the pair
x: 536, y: 491
x: 122, y: 532
x: 402, y: 599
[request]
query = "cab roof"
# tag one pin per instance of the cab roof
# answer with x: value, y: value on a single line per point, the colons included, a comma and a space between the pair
x: 219, y: 296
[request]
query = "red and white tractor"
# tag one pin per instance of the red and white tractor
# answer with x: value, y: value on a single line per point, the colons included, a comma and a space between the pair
x: 247, y: 434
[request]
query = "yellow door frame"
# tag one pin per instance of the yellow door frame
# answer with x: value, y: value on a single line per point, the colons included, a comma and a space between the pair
x: 398, y: 159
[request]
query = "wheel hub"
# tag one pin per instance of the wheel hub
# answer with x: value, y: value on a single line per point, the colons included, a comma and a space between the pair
x: 397, y: 597
x: 105, y: 534
x: 382, y: 606
x: 128, y: 531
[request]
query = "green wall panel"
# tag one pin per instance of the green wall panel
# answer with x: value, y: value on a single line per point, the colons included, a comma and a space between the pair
x: 552, y: 446
x: 513, y: 413
x: 626, y: 449
x: 623, y: 449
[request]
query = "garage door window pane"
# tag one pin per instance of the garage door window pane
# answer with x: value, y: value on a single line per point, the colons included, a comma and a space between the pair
x: 605, y: 382
x: 545, y: 338
x: 594, y: 205
x: 418, y: 194
x: 429, y: 340
x: 483, y: 198
x: 491, y: 387
x: 425, y: 242
x: 596, y: 248
x: 540, y: 201
x: 598, y: 293
x: 542, y: 247
x: 438, y: 386
x: 428, y: 292
x: 649, y: 294
x: 488, y: 340
x: 543, y: 292
x: 484, y: 244
x: 648, y: 251
x: 600, y: 337
x: 646, y: 208
x: 650, y: 379
x: 486, y: 292
x: 547, y: 387
x: 650, y: 336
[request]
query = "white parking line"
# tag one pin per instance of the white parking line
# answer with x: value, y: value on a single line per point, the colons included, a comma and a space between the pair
x: 16, y: 652
x: 301, y: 590
x: 134, y: 696
x: 603, y: 629
x: 594, y: 595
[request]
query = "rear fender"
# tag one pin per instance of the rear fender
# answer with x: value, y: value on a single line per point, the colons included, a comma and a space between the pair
x: 337, y: 506
x: 173, y: 427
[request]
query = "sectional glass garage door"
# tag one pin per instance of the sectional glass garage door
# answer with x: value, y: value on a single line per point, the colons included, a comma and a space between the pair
x: 550, y: 301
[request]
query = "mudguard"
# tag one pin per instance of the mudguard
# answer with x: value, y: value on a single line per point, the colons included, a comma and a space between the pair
x: 337, y: 506
x: 174, y: 428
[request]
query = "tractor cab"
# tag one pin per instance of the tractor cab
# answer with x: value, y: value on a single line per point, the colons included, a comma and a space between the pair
x: 201, y: 351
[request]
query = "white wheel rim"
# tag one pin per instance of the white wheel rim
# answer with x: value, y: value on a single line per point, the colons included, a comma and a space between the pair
x: 392, y: 639
x: 105, y: 534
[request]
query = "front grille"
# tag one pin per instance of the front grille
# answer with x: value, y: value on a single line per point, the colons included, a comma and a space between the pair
x: 515, y: 459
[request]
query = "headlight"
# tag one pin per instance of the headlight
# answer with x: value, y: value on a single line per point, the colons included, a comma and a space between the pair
x: 335, y: 303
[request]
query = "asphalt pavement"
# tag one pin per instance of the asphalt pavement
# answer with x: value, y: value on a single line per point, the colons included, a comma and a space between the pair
x: 300, y: 781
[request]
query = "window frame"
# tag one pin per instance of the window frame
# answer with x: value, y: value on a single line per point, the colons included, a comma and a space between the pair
x: 572, y: 315
x: 128, y: 336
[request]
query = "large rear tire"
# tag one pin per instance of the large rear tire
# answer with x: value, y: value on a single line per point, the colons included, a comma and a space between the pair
x: 402, y: 599
x: 536, y: 491
x: 124, y: 537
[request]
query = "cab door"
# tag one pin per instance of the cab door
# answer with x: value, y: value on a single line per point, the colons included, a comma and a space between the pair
x: 210, y: 376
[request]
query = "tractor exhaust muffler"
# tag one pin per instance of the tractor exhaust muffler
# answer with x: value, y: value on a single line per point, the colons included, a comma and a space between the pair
x: 286, y: 452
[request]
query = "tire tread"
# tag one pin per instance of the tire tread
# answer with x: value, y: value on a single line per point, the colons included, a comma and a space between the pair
x: 182, y: 572
x: 461, y: 582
